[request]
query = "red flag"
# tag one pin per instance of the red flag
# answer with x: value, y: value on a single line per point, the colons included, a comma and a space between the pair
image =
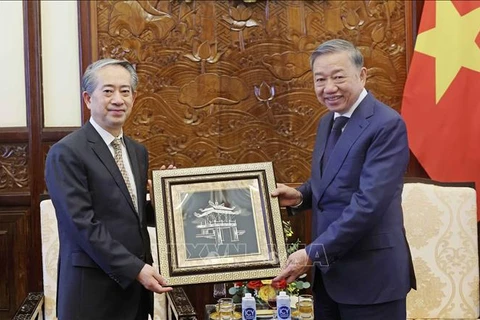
x: 441, y: 100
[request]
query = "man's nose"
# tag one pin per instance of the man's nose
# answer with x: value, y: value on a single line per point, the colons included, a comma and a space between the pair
x: 330, y: 85
x: 117, y: 97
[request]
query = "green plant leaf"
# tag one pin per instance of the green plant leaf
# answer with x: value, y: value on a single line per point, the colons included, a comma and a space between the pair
x: 237, y: 298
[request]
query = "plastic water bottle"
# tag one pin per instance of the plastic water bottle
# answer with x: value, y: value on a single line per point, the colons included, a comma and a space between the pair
x: 283, y: 306
x: 249, y: 307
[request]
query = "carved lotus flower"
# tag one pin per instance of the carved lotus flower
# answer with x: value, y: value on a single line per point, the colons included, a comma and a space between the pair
x: 205, y: 51
x: 264, y: 92
x: 240, y: 18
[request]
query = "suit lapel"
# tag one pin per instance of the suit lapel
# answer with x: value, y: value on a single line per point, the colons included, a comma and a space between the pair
x: 104, y: 154
x: 323, y: 131
x: 356, y: 125
x: 319, y: 149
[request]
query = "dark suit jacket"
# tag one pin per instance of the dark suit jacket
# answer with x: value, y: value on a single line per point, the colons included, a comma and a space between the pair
x: 104, y: 243
x: 359, y: 242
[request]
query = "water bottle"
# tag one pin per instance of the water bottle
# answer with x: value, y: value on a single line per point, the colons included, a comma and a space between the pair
x: 249, y: 307
x: 283, y: 306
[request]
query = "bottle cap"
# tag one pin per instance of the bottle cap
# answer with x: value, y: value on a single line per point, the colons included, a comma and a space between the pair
x: 282, y: 293
x: 248, y: 295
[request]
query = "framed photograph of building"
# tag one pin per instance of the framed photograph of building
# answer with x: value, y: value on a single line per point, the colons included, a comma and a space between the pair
x: 218, y: 223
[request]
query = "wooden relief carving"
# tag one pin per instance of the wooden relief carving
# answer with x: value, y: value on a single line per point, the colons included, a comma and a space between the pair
x: 13, y: 167
x: 225, y: 82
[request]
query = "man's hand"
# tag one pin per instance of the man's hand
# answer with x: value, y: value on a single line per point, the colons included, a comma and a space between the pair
x: 298, y: 263
x: 288, y: 196
x: 150, y: 186
x: 152, y: 280
x: 150, y: 191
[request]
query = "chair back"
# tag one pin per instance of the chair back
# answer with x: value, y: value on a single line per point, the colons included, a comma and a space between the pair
x: 441, y: 228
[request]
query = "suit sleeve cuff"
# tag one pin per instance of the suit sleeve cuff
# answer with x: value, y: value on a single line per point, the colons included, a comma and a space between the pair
x: 126, y: 276
x: 298, y: 205
x: 293, y: 210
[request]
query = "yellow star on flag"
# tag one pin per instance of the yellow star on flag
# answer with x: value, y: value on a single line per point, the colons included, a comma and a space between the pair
x: 451, y: 43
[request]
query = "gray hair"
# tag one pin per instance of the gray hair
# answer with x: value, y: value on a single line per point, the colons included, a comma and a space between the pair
x: 335, y: 46
x: 89, y: 79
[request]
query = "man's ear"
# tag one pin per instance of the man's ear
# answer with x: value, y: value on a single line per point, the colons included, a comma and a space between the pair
x: 363, y: 75
x: 87, y: 98
x: 134, y: 96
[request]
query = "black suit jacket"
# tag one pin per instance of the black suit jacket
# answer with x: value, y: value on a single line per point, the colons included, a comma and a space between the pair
x: 104, y: 242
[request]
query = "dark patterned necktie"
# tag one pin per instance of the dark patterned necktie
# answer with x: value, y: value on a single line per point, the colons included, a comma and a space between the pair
x: 333, y: 137
x: 117, y: 148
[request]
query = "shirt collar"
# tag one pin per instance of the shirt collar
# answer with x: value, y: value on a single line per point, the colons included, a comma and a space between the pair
x: 348, y: 114
x: 106, y: 136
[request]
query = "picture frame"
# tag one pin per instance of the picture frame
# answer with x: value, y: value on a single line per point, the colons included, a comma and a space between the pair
x: 218, y: 224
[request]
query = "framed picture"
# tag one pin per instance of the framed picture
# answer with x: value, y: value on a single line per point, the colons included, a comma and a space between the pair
x: 218, y: 223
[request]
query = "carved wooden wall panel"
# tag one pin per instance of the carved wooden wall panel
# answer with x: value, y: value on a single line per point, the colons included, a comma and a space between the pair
x: 13, y: 168
x: 226, y: 82
x: 15, y: 184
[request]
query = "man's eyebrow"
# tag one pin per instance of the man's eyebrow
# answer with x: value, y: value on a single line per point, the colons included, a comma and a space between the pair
x: 333, y: 71
x: 122, y: 86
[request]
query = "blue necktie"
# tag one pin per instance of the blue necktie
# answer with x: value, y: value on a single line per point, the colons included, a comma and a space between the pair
x: 337, y: 127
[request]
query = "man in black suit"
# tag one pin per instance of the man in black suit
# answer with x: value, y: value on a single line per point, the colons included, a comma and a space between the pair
x: 97, y: 179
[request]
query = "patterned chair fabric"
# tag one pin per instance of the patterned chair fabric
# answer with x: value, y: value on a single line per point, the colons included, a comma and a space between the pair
x: 49, y: 233
x: 441, y: 227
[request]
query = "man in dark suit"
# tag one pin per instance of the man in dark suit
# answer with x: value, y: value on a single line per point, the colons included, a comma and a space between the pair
x: 363, y: 268
x: 97, y: 179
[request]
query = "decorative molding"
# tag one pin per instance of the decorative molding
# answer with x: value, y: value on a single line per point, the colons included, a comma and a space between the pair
x: 13, y: 135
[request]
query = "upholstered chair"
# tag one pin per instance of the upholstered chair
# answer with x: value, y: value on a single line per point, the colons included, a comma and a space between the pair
x: 441, y: 227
